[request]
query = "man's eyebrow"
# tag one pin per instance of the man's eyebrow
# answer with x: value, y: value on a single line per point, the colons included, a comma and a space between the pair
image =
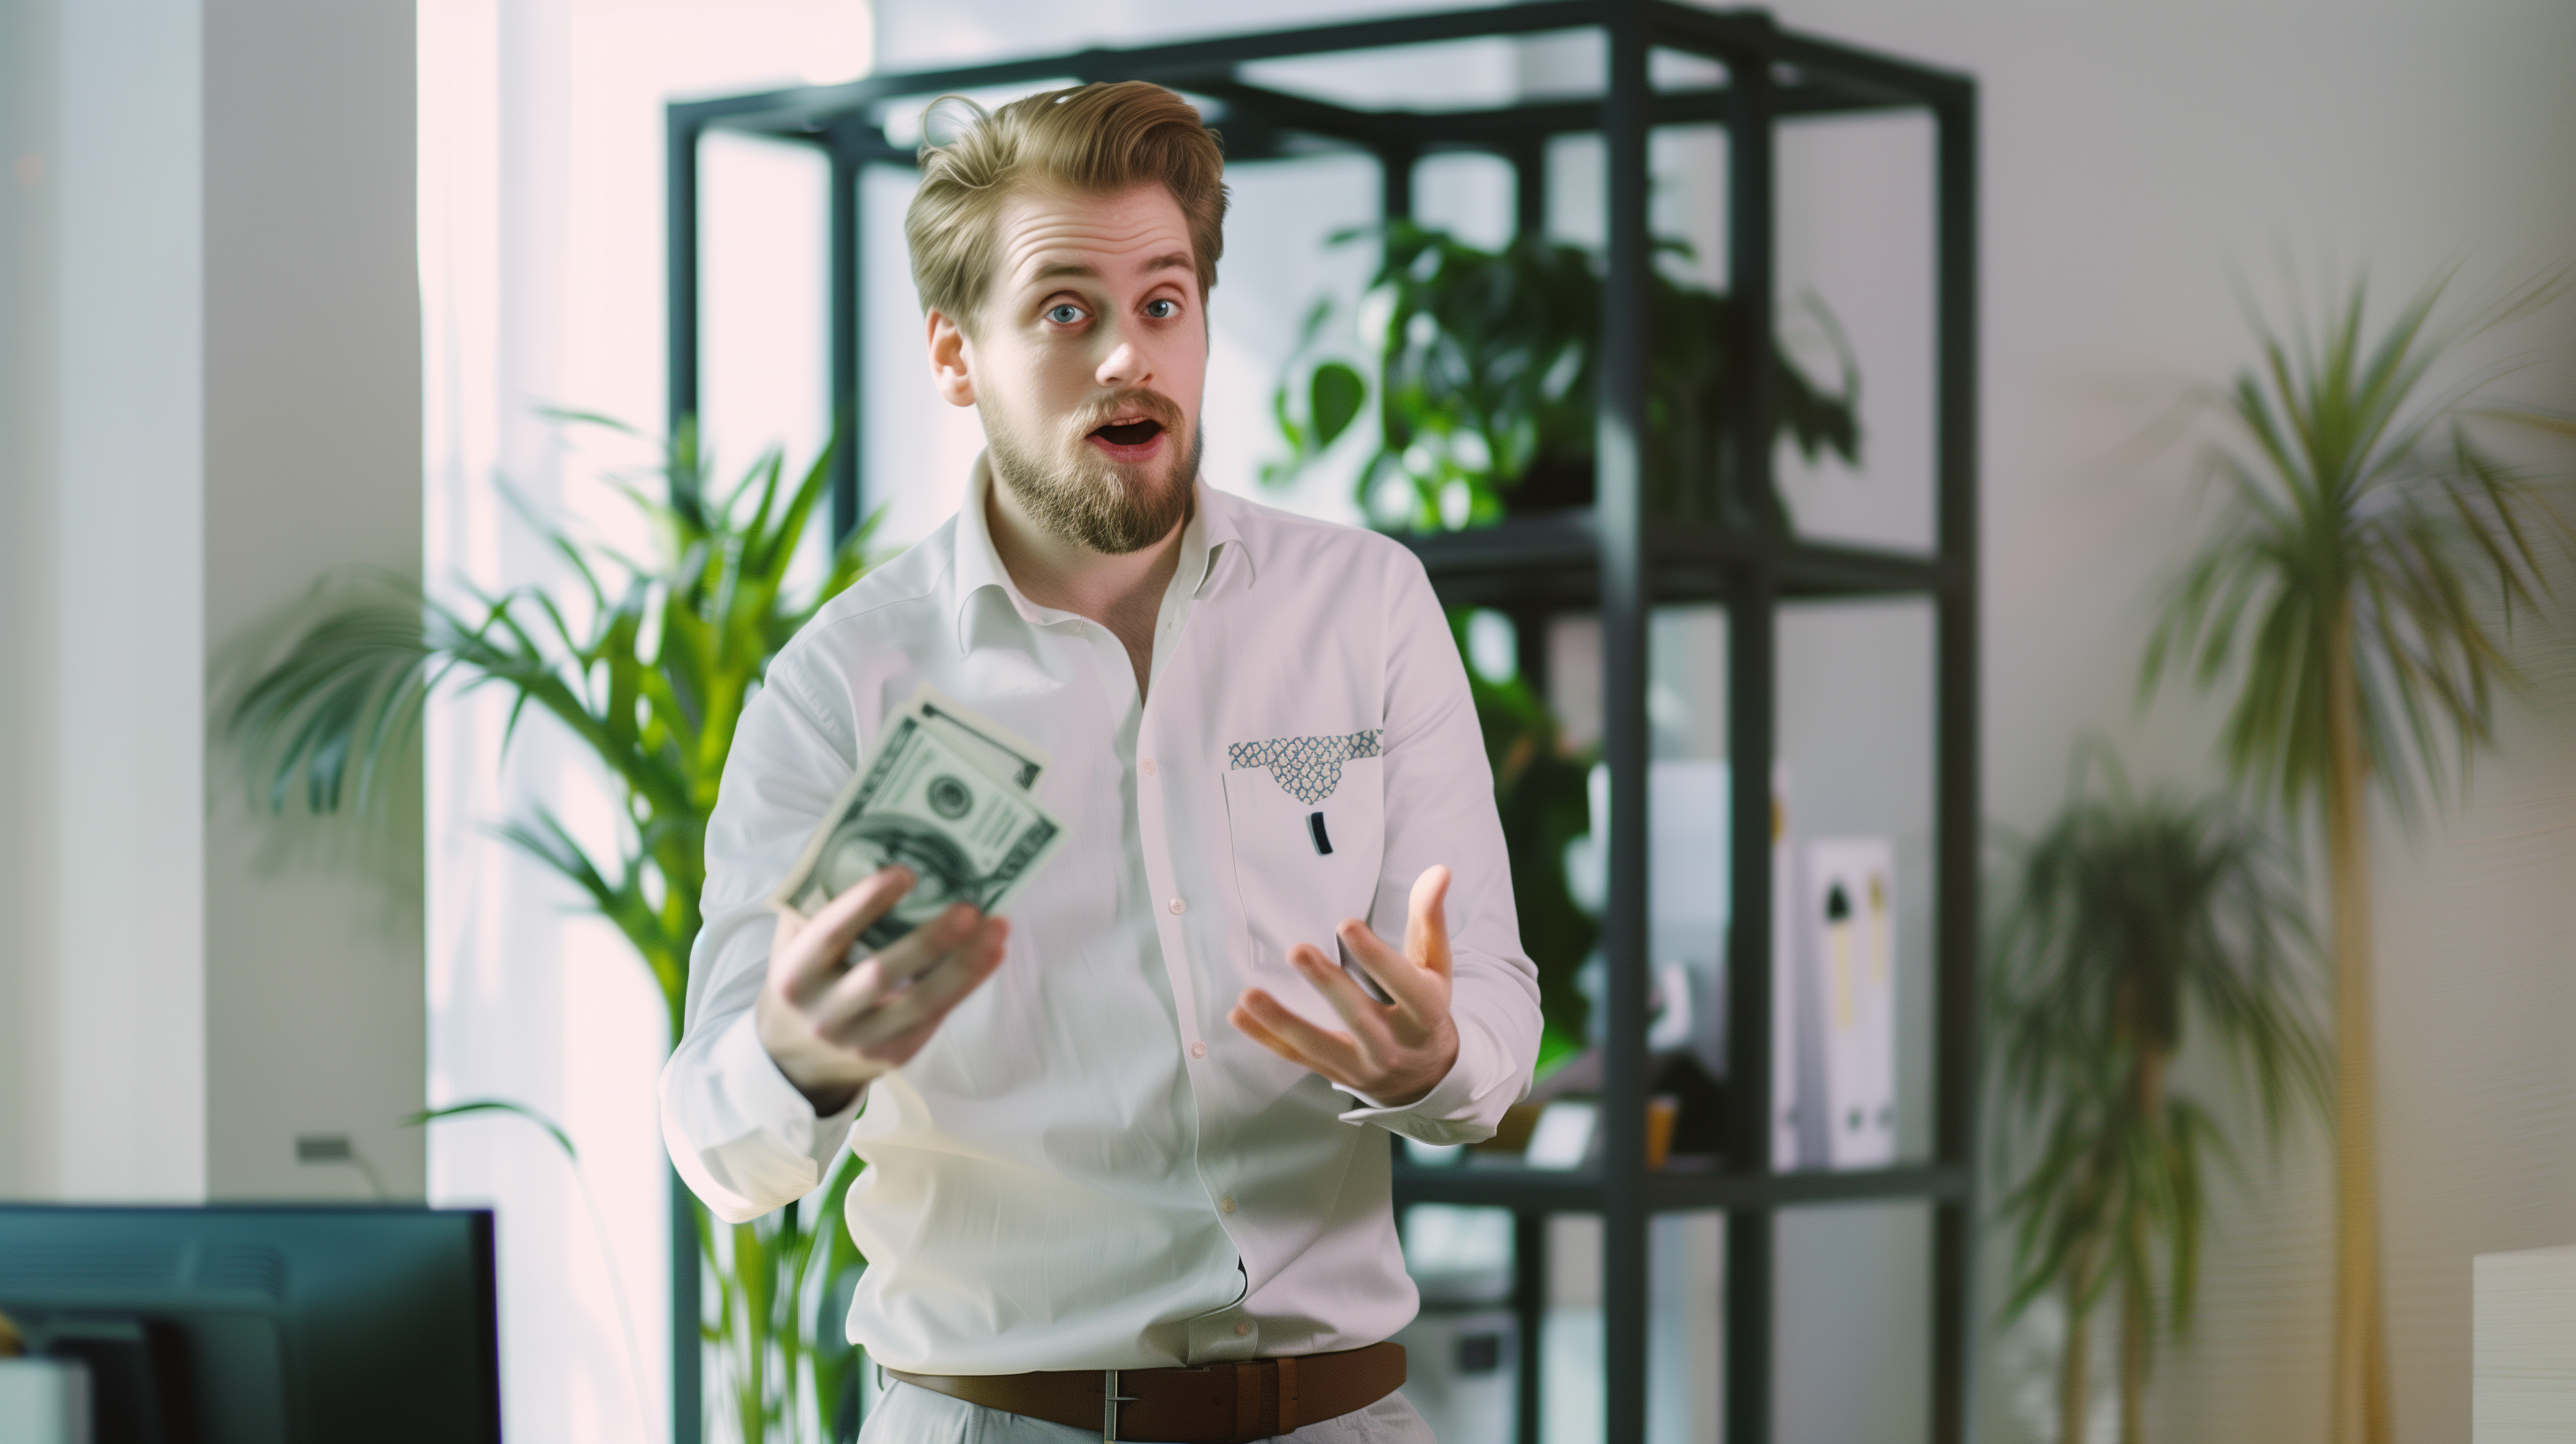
x: 1173, y: 261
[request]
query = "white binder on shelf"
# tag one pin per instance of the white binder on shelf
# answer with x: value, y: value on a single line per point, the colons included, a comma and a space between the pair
x: 1833, y: 960
x: 1848, y: 898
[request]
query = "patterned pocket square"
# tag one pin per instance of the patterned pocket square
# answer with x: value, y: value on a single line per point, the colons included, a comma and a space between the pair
x: 1308, y: 767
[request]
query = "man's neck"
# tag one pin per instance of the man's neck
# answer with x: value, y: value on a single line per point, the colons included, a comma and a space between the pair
x: 1123, y: 593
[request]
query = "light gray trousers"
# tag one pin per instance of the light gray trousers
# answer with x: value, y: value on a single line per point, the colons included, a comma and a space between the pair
x: 907, y: 1415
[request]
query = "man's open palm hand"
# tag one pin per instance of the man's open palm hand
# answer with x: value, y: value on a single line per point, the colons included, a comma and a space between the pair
x: 1395, y: 1052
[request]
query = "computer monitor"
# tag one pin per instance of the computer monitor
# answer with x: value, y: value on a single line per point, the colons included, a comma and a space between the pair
x: 253, y: 1324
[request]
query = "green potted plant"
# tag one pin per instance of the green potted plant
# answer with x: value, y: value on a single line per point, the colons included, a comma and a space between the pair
x: 1485, y: 373
x: 652, y: 679
x: 2353, y: 598
x: 1539, y: 792
x: 2130, y: 925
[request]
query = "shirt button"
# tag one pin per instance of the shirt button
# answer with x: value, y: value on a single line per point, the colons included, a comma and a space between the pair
x: 1225, y: 1204
x: 1242, y: 1329
x: 1198, y: 1050
x: 1178, y: 906
x: 1148, y: 766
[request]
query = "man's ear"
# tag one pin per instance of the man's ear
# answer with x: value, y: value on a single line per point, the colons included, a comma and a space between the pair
x: 949, y: 369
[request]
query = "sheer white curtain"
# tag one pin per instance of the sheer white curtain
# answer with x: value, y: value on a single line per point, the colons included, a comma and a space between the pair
x: 541, y: 279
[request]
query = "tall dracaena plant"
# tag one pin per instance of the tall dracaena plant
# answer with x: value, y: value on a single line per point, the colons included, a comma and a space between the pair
x: 2353, y: 601
x: 649, y: 664
x: 2130, y: 924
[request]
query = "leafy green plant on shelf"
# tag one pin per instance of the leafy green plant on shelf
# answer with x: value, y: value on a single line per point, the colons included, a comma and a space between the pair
x: 2128, y: 925
x: 1539, y: 791
x: 648, y: 663
x: 2353, y: 600
x: 1485, y: 372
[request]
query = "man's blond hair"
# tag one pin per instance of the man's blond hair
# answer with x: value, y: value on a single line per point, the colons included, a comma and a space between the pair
x: 1091, y: 140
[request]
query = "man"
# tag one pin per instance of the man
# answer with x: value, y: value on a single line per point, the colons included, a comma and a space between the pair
x: 1134, y: 1127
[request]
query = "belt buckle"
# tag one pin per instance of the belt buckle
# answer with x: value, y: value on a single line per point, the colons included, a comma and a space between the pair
x: 1110, y: 1399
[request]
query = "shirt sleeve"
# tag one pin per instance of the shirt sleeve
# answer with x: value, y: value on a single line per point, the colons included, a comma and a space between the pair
x: 745, y: 1139
x: 1440, y: 809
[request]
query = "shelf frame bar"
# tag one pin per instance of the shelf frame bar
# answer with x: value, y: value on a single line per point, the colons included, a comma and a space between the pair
x: 680, y: 300
x: 1609, y: 557
x: 847, y: 297
x: 1958, y: 788
x: 1865, y: 77
x: 1546, y: 1191
x: 1751, y: 1284
x: 1625, y: 360
x: 1529, y: 1309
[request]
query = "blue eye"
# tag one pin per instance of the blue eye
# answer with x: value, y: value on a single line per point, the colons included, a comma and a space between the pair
x: 1064, y: 315
x: 1162, y: 309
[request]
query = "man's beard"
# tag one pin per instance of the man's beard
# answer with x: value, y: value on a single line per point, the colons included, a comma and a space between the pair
x: 1081, y: 496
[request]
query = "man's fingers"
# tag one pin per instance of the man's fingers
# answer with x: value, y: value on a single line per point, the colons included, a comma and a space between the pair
x: 1416, y: 991
x: 896, y: 1051
x: 850, y: 995
x: 1362, y: 1012
x: 1426, y: 920
x: 1267, y: 1021
x: 932, y: 994
x: 1253, y: 1028
x: 812, y: 950
x: 920, y: 950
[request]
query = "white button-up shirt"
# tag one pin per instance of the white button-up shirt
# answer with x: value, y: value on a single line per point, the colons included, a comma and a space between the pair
x: 1087, y: 1167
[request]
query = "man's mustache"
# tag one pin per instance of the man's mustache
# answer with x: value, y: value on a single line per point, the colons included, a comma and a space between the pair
x: 1130, y: 403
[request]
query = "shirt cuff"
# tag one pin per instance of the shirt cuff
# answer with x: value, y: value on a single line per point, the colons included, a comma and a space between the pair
x: 1445, y: 1115
x: 777, y: 1107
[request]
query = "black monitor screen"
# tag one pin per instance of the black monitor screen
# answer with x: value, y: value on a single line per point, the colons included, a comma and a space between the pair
x: 241, y: 1324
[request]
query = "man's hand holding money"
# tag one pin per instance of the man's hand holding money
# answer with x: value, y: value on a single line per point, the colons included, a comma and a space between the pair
x: 830, y: 1026
x: 937, y: 826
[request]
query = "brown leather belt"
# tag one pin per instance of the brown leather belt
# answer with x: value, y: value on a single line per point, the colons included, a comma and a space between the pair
x: 1219, y: 1404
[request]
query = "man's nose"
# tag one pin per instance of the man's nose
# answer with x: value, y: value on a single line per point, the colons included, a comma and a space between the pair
x: 1125, y: 365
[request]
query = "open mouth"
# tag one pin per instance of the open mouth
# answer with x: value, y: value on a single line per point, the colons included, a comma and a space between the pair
x: 1130, y: 433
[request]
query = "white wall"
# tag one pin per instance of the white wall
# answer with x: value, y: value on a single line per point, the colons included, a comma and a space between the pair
x: 2133, y: 157
x: 212, y: 398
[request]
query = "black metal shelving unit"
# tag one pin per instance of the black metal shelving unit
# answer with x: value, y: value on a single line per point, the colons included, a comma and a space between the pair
x: 1615, y: 560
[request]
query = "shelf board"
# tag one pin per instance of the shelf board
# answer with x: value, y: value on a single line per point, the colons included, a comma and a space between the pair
x: 1673, y: 1190
x: 1554, y: 558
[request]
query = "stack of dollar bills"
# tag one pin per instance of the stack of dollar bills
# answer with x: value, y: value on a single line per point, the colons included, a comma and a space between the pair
x: 943, y: 792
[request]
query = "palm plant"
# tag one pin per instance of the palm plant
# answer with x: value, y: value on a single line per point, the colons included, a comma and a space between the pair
x: 649, y: 663
x: 2132, y: 921
x: 2356, y: 598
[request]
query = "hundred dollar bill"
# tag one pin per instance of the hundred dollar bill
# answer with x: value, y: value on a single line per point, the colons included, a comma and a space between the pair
x: 1007, y: 756
x: 926, y: 796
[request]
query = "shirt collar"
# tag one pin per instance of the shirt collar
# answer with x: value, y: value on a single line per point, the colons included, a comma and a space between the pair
x: 1210, y: 536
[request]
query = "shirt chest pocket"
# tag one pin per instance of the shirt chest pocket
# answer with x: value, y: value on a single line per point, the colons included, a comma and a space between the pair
x: 1306, y: 821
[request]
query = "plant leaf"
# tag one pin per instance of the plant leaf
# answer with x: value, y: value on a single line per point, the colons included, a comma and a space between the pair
x: 553, y: 1129
x: 1334, y: 396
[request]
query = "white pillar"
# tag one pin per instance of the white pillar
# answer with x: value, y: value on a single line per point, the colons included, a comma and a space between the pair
x: 103, y: 838
x: 315, y: 1013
